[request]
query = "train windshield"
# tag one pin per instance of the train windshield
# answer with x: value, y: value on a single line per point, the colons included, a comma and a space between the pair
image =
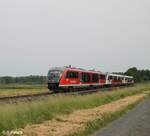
x: 54, y: 76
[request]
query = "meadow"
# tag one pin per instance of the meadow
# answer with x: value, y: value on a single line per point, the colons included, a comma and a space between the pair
x: 14, y: 116
x: 21, y: 89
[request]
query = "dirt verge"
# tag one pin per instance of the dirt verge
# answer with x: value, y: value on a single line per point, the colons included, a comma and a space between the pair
x: 67, y: 124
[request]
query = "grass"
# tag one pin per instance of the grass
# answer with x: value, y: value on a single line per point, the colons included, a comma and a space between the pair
x: 21, y: 86
x: 15, y: 89
x: 97, y: 124
x: 13, y: 116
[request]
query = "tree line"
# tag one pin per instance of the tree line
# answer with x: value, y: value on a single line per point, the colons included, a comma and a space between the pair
x: 139, y: 76
x: 23, y: 80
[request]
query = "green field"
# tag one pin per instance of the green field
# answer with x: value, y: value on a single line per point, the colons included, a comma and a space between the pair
x: 13, y: 116
x: 16, y: 89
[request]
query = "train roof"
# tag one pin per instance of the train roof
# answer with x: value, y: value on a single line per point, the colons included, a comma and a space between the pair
x: 111, y: 74
x: 57, y: 68
x: 74, y: 69
x: 129, y: 76
x: 80, y: 69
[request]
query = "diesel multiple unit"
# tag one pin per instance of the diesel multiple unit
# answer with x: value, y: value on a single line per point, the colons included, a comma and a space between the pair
x: 67, y: 78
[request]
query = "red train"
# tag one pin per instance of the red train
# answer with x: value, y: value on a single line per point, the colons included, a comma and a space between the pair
x: 68, y: 78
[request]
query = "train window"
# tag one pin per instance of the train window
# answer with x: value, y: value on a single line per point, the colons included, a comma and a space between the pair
x: 130, y: 80
x: 72, y: 74
x: 119, y: 78
x: 110, y: 78
x: 103, y: 77
x: 85, y: 77
x: 115, y: 77
x: 95, y: 78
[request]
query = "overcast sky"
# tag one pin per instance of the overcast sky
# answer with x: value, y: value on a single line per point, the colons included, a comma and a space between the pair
x: 108, y: 35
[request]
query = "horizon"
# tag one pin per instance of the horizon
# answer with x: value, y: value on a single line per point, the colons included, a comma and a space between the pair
x: 14, y: 76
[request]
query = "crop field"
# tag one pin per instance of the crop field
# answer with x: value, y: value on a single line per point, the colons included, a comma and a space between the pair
x: 16, y: 89
x: 22, y: 115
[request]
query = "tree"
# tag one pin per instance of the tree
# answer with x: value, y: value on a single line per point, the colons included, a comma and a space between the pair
x: 139, y: 75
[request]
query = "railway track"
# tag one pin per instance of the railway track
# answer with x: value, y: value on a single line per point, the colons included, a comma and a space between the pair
x: 31, y: 97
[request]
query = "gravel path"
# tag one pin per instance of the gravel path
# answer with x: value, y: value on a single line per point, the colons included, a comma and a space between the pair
x: 135, y: 123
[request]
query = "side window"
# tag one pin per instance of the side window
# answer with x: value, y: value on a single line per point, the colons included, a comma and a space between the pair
x: 110, y: 78
x: 115, y: 77
x: 85, y: 77
x: 103, y: 77
x: 72, y: 74
x: 95, y: 78
x: 121, y: 78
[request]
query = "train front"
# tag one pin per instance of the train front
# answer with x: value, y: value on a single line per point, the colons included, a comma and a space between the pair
x: 54, y: 76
